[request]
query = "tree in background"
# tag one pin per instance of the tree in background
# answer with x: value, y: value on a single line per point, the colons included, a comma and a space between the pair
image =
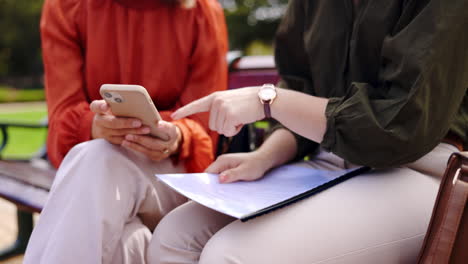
x: 20, y: 57
x: 252, y: 23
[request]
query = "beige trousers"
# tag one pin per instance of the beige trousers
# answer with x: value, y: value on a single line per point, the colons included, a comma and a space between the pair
x: 380, y: 217
x: 102, y: 206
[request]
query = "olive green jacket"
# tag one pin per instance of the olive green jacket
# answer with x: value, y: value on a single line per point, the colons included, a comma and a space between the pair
x: 396, y: 74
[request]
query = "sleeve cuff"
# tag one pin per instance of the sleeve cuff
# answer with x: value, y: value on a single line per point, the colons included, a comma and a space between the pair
x: 329, y: 139
x: 184, y: 151
x: 196, y: 151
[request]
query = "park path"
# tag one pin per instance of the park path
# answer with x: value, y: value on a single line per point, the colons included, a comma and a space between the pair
x: 8, y: 229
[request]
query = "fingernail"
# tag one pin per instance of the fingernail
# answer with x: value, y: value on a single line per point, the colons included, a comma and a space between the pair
x: 136, y: 124
x: 125, y: 143
x: 222, y: 177
x: 145, y: 130
x: 103, y: 107
x: 130, y: 137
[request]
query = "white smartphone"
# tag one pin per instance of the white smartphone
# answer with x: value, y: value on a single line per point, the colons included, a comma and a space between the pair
x: 127, y: 100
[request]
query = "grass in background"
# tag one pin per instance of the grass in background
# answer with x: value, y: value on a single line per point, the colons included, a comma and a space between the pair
x: 8, y: 94
x: 258, y: 47
x: 23, y: 142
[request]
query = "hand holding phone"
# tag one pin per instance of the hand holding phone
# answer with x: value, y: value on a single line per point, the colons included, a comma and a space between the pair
x: 133, y: 101
x: 112, y: 128
x: 154, y: 148
x: 119, y: 123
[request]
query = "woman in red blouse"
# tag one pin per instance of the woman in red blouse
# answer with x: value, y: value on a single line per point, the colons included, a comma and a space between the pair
x: 105, y: 201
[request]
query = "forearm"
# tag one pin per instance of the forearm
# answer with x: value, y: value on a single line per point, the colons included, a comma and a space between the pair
x: 278, y: 148
x: 304, y: 114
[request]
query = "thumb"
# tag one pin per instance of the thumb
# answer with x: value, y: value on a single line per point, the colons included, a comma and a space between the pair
x: 221, y: 164
x: 167, y: 128
x: 99, y: 107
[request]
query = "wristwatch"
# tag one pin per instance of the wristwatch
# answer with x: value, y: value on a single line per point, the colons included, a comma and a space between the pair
x: 267, y: 95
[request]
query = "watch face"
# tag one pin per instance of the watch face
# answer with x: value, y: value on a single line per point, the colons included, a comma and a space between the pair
x: 267, y: 94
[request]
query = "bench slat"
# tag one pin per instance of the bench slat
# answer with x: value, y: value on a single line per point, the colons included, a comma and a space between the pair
x: 25, y: 196
x: 30, y: 173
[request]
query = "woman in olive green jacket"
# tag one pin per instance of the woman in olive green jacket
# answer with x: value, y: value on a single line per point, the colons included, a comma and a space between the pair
x: 376, y: 83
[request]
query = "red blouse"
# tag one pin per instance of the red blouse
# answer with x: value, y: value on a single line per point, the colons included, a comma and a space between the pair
x: 177, y: 54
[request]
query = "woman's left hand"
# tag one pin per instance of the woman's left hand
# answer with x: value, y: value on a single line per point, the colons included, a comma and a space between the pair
x: 229, y: 110
x: 155, y: 148
x: 234, y: 167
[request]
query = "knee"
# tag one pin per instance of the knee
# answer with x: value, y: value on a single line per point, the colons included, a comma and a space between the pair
x: 226, y: 247
x: 132, y: 245
x: 94, y: 156
x: 164, y: 244
x: 96, y: 161
x: 94, y: 150
x: 221, y: 249
x: 182, y: 234
x: 236, y: 244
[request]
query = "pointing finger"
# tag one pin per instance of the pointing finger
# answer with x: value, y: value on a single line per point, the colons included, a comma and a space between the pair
x: 197, y: 106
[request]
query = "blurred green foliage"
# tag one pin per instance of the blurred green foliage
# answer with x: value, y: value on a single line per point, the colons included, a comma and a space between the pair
x: 253, y: 23
x: 251, y: 26
x: 19, y: 39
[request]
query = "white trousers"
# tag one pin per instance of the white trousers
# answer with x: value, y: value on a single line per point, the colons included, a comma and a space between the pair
x: 102, y: 206
x: 105, y: 200
x: 379, y: 217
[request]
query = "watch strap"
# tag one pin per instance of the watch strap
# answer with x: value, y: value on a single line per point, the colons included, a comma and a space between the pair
x: 266, y: 109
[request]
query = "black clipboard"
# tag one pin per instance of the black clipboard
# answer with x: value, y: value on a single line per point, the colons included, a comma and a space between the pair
x: 306, y: 194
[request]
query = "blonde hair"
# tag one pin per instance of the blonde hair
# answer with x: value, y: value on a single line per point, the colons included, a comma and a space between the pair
x: 188, y: 3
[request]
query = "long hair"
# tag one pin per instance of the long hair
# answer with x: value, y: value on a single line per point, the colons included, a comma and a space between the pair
x: 183, y: 3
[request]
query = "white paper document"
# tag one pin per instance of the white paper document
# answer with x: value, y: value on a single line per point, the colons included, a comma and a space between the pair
x: 241, y: 199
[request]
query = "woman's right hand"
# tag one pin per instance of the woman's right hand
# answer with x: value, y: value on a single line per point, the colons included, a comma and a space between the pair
x: 113, y: 129
x: 249, y: 166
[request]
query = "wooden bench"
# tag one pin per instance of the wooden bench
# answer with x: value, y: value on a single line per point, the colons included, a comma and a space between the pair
x: 26, y: 183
